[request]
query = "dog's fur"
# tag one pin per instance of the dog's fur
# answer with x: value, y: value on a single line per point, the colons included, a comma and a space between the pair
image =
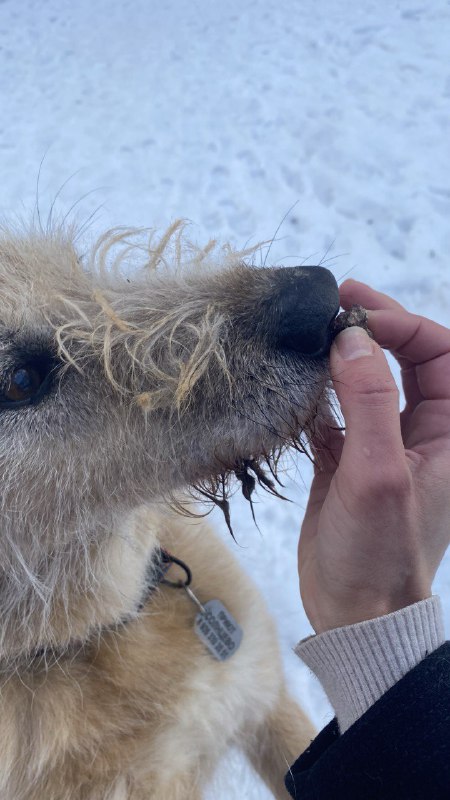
x: 166, y: 377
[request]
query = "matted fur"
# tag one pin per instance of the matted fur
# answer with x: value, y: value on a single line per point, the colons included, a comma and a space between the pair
x: 166, y: 378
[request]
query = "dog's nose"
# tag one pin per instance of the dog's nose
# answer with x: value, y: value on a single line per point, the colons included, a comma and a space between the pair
x: 307, y: 301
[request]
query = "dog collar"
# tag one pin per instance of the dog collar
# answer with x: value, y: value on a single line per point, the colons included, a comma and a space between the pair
x: 214, y: 625
x: 159, y: 565
x: 157, y: 568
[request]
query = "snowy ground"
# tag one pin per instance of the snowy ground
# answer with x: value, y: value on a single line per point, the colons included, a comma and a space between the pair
x: 228, y: 114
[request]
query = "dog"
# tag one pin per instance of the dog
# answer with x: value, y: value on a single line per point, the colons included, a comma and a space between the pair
x: 133, y: 649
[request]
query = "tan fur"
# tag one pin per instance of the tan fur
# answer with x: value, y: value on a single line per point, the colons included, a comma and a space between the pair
x: 145, y: 712
x: 153, y: 383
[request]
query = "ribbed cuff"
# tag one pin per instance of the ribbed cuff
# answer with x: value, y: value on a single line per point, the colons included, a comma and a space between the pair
x: 358, y: 663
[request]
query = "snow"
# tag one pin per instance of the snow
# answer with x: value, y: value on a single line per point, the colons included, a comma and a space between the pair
x: 333, y: 117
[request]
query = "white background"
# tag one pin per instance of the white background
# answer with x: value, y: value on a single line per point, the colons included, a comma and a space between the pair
x: 228, y: 114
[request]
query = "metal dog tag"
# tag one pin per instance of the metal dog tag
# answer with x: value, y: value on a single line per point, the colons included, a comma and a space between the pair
x: 216, y: 628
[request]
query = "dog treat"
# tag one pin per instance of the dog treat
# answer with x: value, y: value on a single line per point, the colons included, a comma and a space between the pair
x: 357, y: 316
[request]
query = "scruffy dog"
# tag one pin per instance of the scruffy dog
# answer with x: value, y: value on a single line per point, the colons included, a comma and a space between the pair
x: 127, y: 376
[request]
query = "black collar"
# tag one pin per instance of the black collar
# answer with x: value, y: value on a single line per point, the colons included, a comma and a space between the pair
x: 159, y: 564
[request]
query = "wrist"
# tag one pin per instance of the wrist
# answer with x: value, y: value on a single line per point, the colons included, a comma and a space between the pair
x: 333, y: 614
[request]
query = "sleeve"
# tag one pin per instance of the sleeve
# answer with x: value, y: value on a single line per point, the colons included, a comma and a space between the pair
x: 399, y: 748
x: 358, y: 663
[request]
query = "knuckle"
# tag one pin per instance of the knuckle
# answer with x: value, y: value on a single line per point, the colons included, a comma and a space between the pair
x: 380, y: 390
x: 390, y: 483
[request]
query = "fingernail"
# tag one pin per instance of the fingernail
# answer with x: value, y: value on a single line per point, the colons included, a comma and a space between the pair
x: 353, y: 343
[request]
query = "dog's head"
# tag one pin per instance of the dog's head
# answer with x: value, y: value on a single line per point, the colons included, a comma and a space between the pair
x: 138, y: 370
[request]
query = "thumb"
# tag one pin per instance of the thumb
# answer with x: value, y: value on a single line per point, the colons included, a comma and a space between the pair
x: 369, y: 399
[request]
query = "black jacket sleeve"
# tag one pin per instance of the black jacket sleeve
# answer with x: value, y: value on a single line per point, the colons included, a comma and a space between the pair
x: 398, y: 750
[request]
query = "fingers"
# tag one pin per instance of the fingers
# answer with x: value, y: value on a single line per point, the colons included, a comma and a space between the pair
x: 369, y: 400
x: 414, y: 340
x: 408, y: 335
x: 422, y: 348
x: 326, y: 445
x: 356, y: 293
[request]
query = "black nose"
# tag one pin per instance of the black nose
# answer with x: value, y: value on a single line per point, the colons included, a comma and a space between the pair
x: 307, y: 301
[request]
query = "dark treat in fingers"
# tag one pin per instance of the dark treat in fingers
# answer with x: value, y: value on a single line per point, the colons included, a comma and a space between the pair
x: 356, y: 316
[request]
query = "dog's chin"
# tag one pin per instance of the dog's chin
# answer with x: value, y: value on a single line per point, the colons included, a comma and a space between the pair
x: 252, y: 467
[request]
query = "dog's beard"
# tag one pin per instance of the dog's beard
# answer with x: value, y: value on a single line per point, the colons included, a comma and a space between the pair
x: 263, y: 469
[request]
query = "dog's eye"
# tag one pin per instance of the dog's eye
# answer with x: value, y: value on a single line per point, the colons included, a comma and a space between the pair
x: 27, y: 384
x: 24, y: 383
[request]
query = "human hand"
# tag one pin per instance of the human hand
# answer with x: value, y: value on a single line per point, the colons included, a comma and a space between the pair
x: 377, y: 522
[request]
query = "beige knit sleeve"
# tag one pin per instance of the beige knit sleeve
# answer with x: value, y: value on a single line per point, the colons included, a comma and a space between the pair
x: 358, y: 663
